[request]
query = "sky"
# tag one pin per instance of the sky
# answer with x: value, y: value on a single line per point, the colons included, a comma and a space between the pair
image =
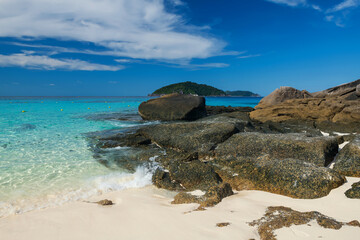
x: 133, y: 47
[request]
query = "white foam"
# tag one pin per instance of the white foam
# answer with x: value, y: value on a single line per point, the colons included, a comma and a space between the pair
x: 94, y: 186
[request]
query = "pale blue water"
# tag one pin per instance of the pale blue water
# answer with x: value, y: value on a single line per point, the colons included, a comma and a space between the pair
x: 45, y: 158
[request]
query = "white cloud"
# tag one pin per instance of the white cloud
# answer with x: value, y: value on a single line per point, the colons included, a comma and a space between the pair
x: 141, y: 29
x: 27, y: 60
x: 344, y: 5
x: 249, y: 56
x: 335, y: 14
x: 292, y: 3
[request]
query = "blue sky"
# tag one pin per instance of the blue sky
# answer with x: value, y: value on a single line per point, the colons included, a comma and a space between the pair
x: 131, y: 48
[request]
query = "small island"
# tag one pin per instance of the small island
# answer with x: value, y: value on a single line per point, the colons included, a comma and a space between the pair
x: 200, y: 90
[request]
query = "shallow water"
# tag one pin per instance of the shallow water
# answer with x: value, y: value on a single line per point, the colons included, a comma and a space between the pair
x: 45, y: 154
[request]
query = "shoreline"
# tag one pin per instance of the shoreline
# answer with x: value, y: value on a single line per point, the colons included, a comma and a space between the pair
x: 147, y: 213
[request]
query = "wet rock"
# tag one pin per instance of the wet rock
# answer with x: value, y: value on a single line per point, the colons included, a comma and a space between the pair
x: 281, y: 95
x: 125, y: 140
x: 279, y: 217
x: 318, y: 150
x: 187, y: 176
x: 161, y: 179
x: 128, y: 158
x: 348, y: 159
x: 354, y: 191
x: 173, y: 107
x: 171, y: 155
x: 289, y: 177
x: 191, y: 137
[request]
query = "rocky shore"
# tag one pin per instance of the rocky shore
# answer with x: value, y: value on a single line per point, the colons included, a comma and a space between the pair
x: 288, y: 144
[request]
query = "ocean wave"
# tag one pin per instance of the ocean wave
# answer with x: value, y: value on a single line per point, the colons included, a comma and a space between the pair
x: 94, y: 186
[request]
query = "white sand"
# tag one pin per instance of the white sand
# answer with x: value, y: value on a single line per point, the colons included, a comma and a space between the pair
x: 147, y: 214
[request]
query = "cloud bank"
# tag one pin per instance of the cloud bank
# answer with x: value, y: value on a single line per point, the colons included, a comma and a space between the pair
x: 141, y: 29
x: 30, y: 61
x: 292, y: 3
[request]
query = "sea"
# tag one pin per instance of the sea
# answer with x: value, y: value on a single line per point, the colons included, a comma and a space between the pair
x: 47, y: 153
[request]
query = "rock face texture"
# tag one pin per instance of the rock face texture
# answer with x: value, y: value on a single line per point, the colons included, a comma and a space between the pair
x: 189, y: 137
x: 338, y: 106
x: 289, y: 177
x: 342, y: 90
x: 354, y: 191
x: 279, y: 217
x: 173, y: 107
x: 318, y: 150
x: 348, y: 160
x: 282, y: 94
x: 279, y: 147
x: 213, y: 196
x: 187, y: 176
x: 214, y: 110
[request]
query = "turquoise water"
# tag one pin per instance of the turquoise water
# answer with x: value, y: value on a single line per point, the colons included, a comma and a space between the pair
x: 45, y: 156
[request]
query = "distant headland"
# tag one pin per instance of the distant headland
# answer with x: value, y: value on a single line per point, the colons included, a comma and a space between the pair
x: 200, y: 89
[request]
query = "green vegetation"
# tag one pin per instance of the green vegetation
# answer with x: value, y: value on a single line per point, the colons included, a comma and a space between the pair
x: 190, y: 88
x: 200, y: 89
x: 242, y: 94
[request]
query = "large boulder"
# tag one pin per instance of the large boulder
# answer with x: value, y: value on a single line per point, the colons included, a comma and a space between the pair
x: 343, y: 90
x: 337, y: 107
x: 348, y: 160
x: 289, y: 177
x: 318, y: 150
x: 190, y: 137
x: 187, y: 176
x: 281, y: 95
x: 319, y: 110
x: 173, y: 107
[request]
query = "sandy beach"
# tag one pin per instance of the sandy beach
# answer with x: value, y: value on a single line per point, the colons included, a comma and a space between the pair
x: 147, y: 213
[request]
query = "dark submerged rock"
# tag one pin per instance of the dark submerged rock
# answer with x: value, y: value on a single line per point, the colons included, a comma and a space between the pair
x: 348, y: 160
x: 173, y: 107
x: 318, y: 150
